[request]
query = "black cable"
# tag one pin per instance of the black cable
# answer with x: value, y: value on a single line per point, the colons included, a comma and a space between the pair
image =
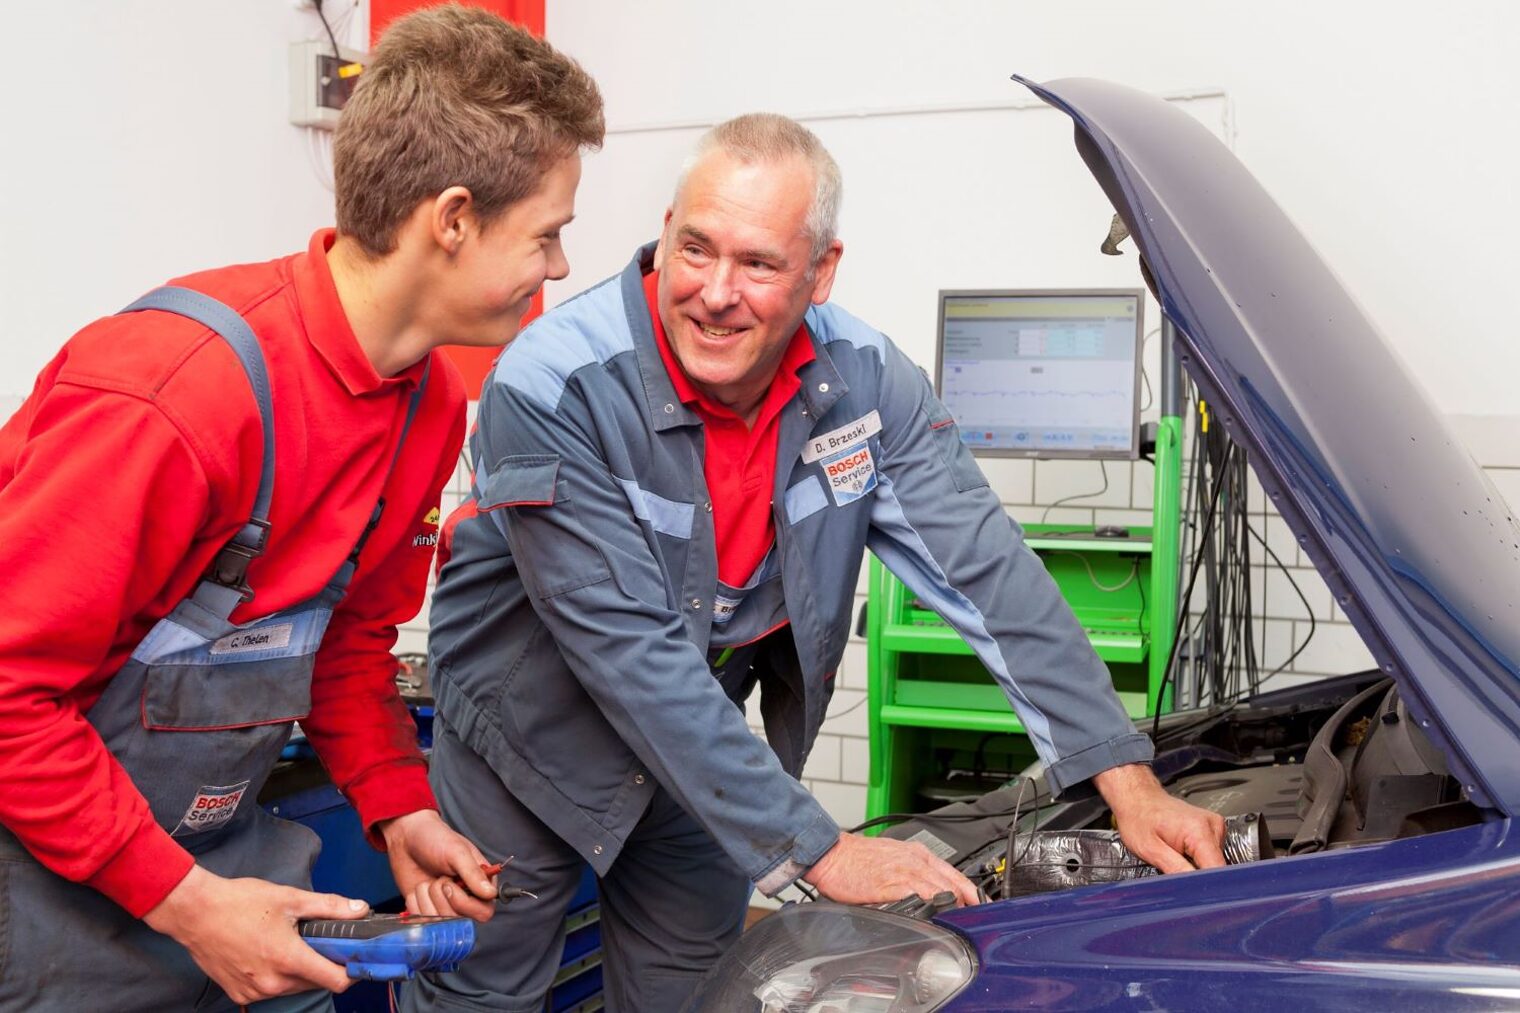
x: 1080, y: 495
x: 1009, y: 860
x: 886, y: 818
x: 1150, y: 396
x: 1252, y: 662
x: 1222, y: 658
x: 337, y: 54
x: 1308, y: 609
x: 1187, y: 597
x: 1195, y: 508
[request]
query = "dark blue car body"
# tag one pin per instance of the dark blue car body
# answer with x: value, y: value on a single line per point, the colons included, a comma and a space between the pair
x: 1422, y: 555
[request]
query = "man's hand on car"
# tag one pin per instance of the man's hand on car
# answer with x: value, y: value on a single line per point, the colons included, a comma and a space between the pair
x: 877, y: 870
x: 1162, y: 830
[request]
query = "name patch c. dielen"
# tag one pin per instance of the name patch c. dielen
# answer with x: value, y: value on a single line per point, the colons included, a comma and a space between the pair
x: 260, y: 638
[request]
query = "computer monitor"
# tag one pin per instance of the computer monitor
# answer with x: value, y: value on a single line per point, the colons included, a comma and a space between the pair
x: 1042, y: 373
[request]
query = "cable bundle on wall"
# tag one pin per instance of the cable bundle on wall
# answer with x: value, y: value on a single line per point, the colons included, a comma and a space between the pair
x: 1218, y: 659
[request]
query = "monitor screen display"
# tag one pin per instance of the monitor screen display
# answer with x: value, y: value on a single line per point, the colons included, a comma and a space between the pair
x: 1042, y: 373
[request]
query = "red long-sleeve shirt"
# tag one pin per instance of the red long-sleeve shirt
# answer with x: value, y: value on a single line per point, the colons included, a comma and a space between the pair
x: 132, y: 462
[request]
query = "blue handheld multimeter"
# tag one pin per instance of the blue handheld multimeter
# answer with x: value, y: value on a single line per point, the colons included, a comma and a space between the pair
x: 391, y: 947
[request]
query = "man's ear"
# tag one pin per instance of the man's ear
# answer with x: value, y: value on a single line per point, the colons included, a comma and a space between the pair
x: 452, y: 218
x: 659, y: 248
x: 823, y: 272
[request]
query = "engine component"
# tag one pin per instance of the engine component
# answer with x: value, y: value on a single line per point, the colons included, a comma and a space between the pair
x: 1044, y: 860
x: 1369, y: 771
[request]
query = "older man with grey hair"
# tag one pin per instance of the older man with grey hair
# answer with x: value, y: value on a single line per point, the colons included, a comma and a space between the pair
x: 677, y: 474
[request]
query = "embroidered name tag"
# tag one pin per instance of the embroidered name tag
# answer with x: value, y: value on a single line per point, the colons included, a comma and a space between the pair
x: 851, y: 475
x: 262, y: 639
x: 213, y: 806
x: 846, y: 436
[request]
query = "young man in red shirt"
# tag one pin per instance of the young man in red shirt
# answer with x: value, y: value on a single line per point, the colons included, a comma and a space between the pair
x: 216, y: 507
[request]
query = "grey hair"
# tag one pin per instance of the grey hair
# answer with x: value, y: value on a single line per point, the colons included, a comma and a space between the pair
x: 769, y: 137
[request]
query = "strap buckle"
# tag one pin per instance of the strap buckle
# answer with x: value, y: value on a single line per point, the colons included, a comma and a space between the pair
x: 230, y: 567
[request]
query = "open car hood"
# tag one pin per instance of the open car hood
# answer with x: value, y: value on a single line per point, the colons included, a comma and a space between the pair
x: 1418, y: 547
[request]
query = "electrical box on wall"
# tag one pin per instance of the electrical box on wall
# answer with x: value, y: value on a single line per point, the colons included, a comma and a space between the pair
x: 320, y: 83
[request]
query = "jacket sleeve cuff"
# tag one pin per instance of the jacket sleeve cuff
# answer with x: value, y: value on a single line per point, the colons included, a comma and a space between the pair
x: 147, y: 868
x: 781, y: 877
x: 807, y: 847
x: 1070, y: 779
x: 385, y: 794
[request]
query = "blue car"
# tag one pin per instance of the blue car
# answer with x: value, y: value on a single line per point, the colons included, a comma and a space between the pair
x: 1389, y: 866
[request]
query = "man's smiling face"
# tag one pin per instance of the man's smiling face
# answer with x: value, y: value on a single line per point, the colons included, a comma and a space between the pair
x: 736, y: 273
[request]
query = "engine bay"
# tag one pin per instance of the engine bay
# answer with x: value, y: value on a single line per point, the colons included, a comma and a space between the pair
x: 1332, y: 764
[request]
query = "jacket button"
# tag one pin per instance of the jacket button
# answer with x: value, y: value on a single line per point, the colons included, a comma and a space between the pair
x: 597, y: 850
x: 823, y: 388
x: 638, y: 778
x: 696, y: 603
x: 670, y: 409
x: 707, y: 506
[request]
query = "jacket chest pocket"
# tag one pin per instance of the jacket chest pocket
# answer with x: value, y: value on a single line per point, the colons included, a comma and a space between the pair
x: 538, y: 506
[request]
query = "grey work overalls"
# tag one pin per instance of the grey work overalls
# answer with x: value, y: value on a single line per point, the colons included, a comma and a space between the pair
x: 197, y: 717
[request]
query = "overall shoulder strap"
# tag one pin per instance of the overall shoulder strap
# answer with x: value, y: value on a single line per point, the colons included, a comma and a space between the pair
x: 225, y: 584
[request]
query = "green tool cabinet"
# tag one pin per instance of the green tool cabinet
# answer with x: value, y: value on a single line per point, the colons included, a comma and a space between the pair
x: 936, y: 715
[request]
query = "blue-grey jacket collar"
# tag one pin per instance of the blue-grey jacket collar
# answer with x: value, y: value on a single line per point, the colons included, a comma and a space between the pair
x: 821, y: 382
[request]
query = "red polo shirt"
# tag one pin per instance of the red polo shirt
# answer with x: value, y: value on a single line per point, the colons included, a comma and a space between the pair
x: 740, y: 463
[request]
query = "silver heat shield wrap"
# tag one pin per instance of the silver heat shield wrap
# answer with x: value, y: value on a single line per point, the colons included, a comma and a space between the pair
x: 1044, y: 860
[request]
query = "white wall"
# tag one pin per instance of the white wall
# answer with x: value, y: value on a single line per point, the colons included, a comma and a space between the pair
x: 1383, y: 128
x: 143, y: 139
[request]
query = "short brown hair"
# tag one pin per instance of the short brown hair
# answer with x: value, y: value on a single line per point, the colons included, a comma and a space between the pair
x: 456, y: 96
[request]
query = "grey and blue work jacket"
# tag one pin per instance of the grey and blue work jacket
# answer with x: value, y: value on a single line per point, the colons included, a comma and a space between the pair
x: 574, y: 623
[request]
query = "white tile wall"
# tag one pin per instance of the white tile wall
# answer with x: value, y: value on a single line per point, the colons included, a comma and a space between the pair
x: 1083, y: 483
x: 1276, y: 639
x: 1335, y: 648
x: 823, y: 763
x: 847, y: 714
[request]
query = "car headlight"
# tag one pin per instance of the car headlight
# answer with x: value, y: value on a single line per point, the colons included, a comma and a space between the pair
x: 830, y: 958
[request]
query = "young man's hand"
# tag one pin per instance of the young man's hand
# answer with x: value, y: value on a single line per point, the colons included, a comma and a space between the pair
x: 877, y: 870
x: 430, y: 862
x: 241, y: 932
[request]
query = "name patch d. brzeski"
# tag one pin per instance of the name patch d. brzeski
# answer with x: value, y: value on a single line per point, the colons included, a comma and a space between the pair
x: 846, y: 458
x: 846, y: 437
